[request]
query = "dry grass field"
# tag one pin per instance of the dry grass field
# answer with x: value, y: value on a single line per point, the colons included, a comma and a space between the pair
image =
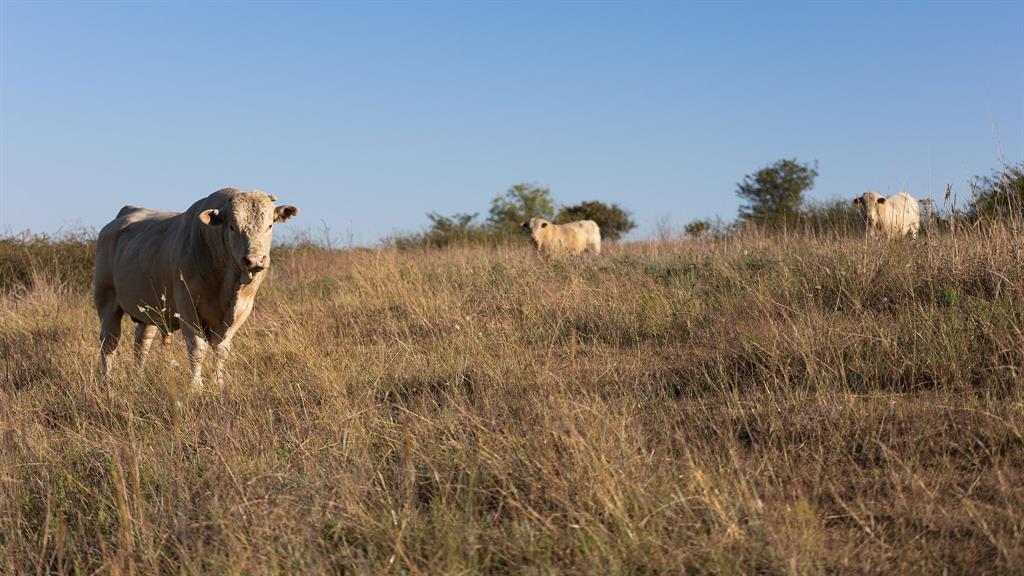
x: 753, y: 405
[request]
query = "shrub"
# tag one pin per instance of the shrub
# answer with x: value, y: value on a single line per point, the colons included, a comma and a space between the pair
x: 698, y: 228
x: 836, y: 217
x: 28, y: 258
x: 520, y: 203
x: 999, y: 196
x: 775, y: 193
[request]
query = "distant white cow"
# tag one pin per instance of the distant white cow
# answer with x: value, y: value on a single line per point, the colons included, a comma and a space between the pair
x: 197, y: 270
x: 572, y: 238
x: 891, y: 217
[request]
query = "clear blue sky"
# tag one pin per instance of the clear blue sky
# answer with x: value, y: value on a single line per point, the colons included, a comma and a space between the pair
x: 367, y: 116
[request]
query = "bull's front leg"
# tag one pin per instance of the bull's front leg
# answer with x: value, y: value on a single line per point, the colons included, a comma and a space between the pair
x: 220, y: 340
x: 197, y: 347
x: 221, y: 349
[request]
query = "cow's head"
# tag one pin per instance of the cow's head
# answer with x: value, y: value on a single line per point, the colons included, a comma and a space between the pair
x: 247, y: 224
x: 536, y: 227
x: 868, y: 204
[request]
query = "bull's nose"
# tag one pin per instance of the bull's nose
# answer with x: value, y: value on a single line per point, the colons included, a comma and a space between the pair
x: 256, y: 262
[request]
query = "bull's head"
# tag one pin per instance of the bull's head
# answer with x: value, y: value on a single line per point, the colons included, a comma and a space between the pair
x: 247, y: 221
x: 868, y: 204
x: 535, y: 226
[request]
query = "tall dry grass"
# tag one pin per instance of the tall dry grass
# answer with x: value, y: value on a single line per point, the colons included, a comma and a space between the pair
x: 798, y: 405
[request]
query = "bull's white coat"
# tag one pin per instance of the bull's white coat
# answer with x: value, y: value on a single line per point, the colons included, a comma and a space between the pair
x: 197, y: 270
x: 893, y: 217
x: 572, y: 238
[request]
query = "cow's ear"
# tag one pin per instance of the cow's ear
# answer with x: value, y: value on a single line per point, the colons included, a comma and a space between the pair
x: 880, y: 201
x: 211, y: 217
x: 282, y: 213
x: 856, y: 200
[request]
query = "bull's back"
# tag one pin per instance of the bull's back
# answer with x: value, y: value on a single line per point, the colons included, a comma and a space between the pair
x: 577, y: 236
x: 132, y: 257
x: 587, y: 230
x: 907, y: 202
x: 580, y: 227
x: 905, y: 211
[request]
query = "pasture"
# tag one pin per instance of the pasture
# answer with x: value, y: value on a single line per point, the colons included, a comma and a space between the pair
x: 792, y: 405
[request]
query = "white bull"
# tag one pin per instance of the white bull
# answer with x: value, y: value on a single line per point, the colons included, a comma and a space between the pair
x: 892, y: 217
x: 197, y: 270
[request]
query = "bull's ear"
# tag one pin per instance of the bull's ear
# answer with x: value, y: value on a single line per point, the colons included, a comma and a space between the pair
x: 282, y: 213
x: 211, y: 217
x: 881, y: 201
x: 856, y: 200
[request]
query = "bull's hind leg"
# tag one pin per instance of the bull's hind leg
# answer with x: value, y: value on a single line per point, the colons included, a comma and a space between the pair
x: 144, y: 336
x: 110, y: 332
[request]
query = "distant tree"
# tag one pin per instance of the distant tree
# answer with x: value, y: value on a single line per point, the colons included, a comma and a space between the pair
x: 454, y: 225
x: 698, y: 228
x: 612, y: 219
x: 775, y: 193
x: 459, y: 228
x: 1000, y: 195
x: 520, y: 203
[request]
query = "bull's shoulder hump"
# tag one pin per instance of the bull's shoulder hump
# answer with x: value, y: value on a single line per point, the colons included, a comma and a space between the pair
x: 136, y: 214
x: 128, y: 209
x: 136, y: 221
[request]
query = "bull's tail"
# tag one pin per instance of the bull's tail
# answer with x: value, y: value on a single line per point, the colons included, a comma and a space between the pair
x: 128, y: 209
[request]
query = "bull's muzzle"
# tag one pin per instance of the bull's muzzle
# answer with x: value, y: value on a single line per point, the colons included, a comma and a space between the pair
x: 252, y: 265
x: 255, y: 262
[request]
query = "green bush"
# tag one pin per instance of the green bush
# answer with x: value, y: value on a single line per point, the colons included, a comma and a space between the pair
x: 999, y: 196
x: 698, y: 228
x: 836, y: 217
x: 27, y: 259
x: 775, y: 193
x: 520, y: 203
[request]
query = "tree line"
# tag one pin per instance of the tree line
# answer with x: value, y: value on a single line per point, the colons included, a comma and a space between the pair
x: 774, y: 199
